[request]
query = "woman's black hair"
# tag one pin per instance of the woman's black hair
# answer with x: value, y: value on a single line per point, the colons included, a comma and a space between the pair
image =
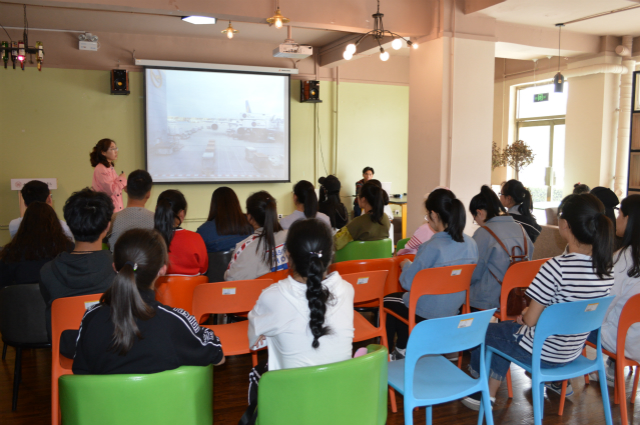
x: 226, y: 211
x: 385, y: 195
x: 306, y: 194
x: 579, y: 188
x: 609, y: 199
x: 630, y: 207
x: 585, y: 216
x: 375, y: 197
x: 487, y: 200
x: 87, y: 214
x: 138, y: 256
x: 97, y: 157
x: 310, y: 247
x: 170, y: 203
x: 451, y: 212
x: 262, y: 207
x: 520, y: 195
x: 330, y: 200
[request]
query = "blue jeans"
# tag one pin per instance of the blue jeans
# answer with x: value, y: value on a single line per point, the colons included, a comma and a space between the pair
x: 502, y: 336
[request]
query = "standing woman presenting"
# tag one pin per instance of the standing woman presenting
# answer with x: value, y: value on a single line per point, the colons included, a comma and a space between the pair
x: 105, y: 179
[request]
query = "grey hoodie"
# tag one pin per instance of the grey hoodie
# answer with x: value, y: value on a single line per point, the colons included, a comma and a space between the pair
x: 70, y: 275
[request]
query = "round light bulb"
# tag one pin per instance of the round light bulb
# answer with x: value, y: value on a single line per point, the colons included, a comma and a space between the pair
x: 396, y: 43
x: 347, y: 55
x: 278, y: 23
x: 351, y: 48
x: 384, y: 56
x: 229, y: 33
x: 414, y: 45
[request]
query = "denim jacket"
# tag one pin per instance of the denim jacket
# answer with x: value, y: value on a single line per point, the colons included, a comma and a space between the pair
x: 485, y: 289
x: 439, y: 251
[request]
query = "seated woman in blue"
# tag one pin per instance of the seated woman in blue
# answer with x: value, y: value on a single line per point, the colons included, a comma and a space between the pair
x: 449, y: 246
x: 227, y: 224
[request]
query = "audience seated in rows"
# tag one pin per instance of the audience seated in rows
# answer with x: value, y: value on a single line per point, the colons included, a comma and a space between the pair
x: 263, y: 251
x: 129, y: 331
x: 88, y: 269
x: 449, y: 246
x: 517, y: 200
x: 35, y: 191
x: 226, y: 225
x: 135, y: 215
x: 329, y: 202
x: 187, y: 251
x: 40, y: 238
x: 500, y: 239
x: 306, y: 204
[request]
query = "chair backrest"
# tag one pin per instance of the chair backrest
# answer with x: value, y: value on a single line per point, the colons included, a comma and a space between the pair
x: 227, y: 297
x: 630, y: 314
x: 365, y: 250
x: 368, y: 286
x: 218, y: 263
x: 440, y: 281
x: 276, y: 276
x: 356, y: 266
x: 518, y: 275
x: 177, y: 291
x: 401, y: 243
x: 22, y: 315
x: 353, y: 391
x: 183, y: 395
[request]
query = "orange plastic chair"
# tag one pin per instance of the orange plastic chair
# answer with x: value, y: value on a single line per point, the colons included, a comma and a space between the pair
x: 276, y: 276
x: 436, y: 281
x: 519, y: 275
x: 66, y: 313
x: 228, y: 298
x: 368, y: 286
x: 177, y: 291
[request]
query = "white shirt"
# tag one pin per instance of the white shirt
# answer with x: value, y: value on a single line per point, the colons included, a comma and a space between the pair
x: 287, y: 221
x: 282, y: 316
x: 14, y: 225
x: 624, y: 287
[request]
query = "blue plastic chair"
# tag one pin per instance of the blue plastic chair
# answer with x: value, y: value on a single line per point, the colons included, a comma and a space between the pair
x: 425, y: 378
x: 564, y: 319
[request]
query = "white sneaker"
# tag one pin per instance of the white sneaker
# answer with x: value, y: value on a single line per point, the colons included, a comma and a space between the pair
x: 609, y: 371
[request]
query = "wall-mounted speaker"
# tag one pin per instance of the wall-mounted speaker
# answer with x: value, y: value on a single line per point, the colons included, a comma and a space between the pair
x: 310, y: 91
x: 119, y: 81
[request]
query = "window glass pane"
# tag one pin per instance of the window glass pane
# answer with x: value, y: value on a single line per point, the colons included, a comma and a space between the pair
x: 533, y: 175
x: 558, y: 163
x: 556, y: 103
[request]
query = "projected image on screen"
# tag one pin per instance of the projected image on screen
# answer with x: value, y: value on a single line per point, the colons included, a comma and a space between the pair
x: 205, y: 126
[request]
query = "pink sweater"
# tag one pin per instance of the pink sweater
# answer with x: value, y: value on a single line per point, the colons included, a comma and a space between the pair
x: 421, y: 235
x: 106, y: 180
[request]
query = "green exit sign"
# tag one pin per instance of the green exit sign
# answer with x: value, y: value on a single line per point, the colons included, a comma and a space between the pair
x: 541, y: 97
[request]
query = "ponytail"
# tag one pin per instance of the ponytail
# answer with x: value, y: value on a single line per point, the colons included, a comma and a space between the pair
x: 139, y: 254
x: 310, y: 247
x: 170, y: 203
x: 262, y: 207
x: 451, y: 212
x: 487, y: 200
x: 375, y: 197
x: 306, y: 194
x: 520, y: 195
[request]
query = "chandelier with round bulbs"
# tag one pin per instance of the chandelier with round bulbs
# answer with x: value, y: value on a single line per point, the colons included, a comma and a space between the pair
x: 378, y: 33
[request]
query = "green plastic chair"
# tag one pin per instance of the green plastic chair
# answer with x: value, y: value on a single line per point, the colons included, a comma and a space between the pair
x: 369, y: 250
x: 179, y: 396
x: 401, y: 243
x: 350, y: 392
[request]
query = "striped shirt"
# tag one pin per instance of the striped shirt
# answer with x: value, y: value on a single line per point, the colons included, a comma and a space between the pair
x: 566, y: 278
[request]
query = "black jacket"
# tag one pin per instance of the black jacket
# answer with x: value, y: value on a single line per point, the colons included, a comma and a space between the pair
x: 530, y: 225
x: 170, y: 339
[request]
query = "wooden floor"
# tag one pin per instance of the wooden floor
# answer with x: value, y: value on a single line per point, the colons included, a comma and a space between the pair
x: 230, y: 395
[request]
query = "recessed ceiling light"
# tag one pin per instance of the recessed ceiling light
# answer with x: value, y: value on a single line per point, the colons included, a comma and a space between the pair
x: 199, y: 20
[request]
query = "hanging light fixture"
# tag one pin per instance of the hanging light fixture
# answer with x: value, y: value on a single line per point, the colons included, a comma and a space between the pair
x: 558, y: 79
x: 230, y: 31
x: 378, y: 33
x: 278, y: 20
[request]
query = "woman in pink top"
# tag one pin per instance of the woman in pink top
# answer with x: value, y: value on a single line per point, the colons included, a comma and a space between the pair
x: 105, y: 179
x: 421, y: 235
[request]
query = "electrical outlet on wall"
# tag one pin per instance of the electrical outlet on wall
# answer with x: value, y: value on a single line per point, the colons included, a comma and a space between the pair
x: 279, y: 216
x: 396, y: 213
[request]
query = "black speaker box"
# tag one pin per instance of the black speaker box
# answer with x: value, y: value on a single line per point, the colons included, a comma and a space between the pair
x: 119, y: 81
x: 310, y: 91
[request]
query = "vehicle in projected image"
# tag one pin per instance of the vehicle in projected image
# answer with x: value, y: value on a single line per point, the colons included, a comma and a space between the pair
x: 251, y: 126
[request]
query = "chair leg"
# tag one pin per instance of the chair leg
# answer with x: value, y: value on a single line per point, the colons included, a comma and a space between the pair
x: 394, y: 406
x: 563, y: 395
x: 509, y: 385
x: 537, y: 392
x: 586, y: 377
x: 4, y: 351
x: 635, y: 385
x: 408, y: 413
x: 604, y: 390
x: 429, y: 415
x: 17, y: 377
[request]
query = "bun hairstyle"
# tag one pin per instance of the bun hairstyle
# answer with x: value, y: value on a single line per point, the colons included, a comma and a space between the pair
x: 263, y: 209
x: 375, y: 197
x: 97, y: 157
x: 590, y: 226
x: 520, y: 195
x: 630, y: 207
x: 88, y: 214
x: 487, y: 200
x: 579, y: 188
x: 138, y: 256
x: 170, y: 203
x: 226, y: 211
x: 451, y: 212
x: 306, y: 194
x: 310, y: 247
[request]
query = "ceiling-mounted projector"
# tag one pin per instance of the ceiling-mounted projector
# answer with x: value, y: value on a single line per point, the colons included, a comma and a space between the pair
x: 292, y: 50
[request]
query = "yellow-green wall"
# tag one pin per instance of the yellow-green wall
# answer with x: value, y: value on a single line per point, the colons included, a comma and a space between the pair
x: 50, y: 120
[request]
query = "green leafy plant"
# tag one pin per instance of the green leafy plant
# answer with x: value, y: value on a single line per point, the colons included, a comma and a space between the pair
x: 517, y: 155
x: 496, y: 157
